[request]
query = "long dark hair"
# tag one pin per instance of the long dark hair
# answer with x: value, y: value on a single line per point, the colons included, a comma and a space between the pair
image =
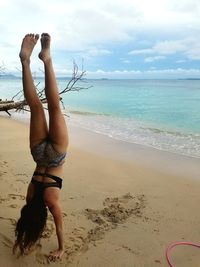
x: 31, y: 224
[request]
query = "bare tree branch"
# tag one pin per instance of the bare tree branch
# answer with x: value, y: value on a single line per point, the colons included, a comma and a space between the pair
x: 74, y: 84
x: 2, y: 68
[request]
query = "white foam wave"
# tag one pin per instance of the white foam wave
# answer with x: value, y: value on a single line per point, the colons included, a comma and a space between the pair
x: 134, y: 132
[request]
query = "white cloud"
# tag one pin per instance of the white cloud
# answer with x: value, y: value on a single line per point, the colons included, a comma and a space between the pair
x: 98, y: 52
x: 193, y: 49
x: 169, y: 47
x: 142, y: 51
x: 74, y: 26
x: 152, y: 59
x: 92, y: 27
x: 78, y: 23
x: 152, y: 73
x: 184, y: 6
x: 180, y: 61
x: 189, y: 47
x: 126, y: 61
x: 166, y: 47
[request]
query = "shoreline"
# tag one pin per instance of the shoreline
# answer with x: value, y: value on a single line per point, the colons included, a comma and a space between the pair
x: 165, y: 162
x: 129, y: 152
x: 162, y: 189
x: 132, y: 132
x: 24, y: 118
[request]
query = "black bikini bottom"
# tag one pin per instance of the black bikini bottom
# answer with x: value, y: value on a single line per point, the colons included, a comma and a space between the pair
x: 57, y: 183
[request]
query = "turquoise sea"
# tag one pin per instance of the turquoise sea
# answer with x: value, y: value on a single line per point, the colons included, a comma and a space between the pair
x: 164, y: 114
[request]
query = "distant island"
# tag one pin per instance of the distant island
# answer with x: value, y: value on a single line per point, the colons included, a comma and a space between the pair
x: 190, y: 79
x: 8, y: 76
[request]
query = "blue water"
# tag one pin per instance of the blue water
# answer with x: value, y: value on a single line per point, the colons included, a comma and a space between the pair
x: 164, y: 114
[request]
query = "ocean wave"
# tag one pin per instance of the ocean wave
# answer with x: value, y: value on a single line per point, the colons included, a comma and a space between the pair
x: 86, y: 113
x: 170, y: 132
x: 132, y: 131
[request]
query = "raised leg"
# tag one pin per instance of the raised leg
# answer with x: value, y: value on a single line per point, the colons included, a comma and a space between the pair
x: 38, y: 125
x: 59, y: 140
x: 57, y: 126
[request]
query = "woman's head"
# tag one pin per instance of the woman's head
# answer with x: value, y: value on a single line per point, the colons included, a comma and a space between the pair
x: 31, y: 224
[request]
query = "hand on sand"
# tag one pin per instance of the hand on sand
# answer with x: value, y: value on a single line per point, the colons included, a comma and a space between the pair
x: 56, y: 255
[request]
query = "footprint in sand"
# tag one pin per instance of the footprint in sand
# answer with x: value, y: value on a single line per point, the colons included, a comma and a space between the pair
x: 16, y: 196
x: 6, y: 241
x: 48, y: 230
x: 21, y: 174
x: 22, y: 178
x: 130, y: 250
x: 41, y: 258
x: 64, y: 214
x: 13, y: 221
x: 2, y: 200
x: 22, y: 181
x: 4, y: 163
x: 10, y: 198
x: 13, y: 206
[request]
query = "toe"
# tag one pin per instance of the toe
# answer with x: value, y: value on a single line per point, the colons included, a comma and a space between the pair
x: 45, y: 34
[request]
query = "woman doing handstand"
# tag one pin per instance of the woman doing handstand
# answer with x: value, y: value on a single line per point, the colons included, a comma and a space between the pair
x: 48, y: 147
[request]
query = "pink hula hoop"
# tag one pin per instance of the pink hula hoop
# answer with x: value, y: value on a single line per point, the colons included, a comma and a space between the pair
x: 170, y: 247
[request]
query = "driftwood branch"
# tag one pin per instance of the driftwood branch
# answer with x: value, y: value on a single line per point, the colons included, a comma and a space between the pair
x: 19, y: 105
x: 72, y: 85
x: 7, y: 105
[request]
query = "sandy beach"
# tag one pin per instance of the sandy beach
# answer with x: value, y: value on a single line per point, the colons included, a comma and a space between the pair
x: 123, y: 204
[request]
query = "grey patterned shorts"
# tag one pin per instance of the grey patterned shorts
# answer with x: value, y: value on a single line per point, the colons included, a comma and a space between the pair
x: 45, y: 155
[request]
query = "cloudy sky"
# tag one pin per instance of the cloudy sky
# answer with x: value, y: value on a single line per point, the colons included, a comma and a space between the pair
x: 114, y: 38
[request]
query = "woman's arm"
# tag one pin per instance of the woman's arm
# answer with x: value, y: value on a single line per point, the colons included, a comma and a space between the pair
x: 58, y: 220
x: 51, y: 198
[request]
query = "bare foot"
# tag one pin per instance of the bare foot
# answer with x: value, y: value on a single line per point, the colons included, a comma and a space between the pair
x: 56, y: 255
x: 44, y: 55
x: 27, y: 46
